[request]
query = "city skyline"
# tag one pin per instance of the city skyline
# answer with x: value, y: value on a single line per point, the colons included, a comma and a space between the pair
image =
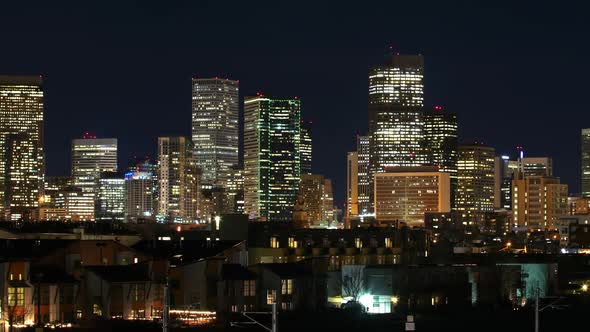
x: 275, y: 69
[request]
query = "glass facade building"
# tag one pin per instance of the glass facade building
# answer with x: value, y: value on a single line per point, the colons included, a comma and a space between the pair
x: 272, y: 157
x: 306, y: 147
x: 110, y: 197
x: 441, y: 141
x: 21, y: 145
x: 215, y: 126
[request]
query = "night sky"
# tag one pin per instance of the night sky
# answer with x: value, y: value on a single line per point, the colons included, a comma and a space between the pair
x: 515, y: 75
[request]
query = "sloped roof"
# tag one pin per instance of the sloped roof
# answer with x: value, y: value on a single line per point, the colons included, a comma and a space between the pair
x: 121, y: 273
x: 236, y: 272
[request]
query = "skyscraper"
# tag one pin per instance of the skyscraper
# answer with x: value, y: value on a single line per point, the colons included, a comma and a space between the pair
x: 441, y: 140
x: 272, y: 156
x: 215, y: 126
x: 352, y: 185
x: 140, y: 191
x: 475, y: 185
x: 110, y: 197
x: 306, y: 147
x: 178, y: 178
x: 585, y: 154
x: 316, y: 198
x: 364, y: 175
x: 504, y: 171
x: 90, y: 157
x: 395, y: 117
x: 537, y: 166
x: 21, y: 145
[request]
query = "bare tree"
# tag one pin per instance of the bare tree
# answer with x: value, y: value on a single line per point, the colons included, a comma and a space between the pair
x: 14, y: 313
x: 353, y: 283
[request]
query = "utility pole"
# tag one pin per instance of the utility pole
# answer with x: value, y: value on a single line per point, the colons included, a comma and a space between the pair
x: 166, y: 308
x: 274, y: 317
x: 537, y: 309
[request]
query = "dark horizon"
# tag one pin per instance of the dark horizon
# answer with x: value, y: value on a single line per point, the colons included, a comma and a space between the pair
x: 513, y: 73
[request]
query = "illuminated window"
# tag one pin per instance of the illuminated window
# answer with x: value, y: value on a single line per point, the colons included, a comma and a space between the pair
x: 274, y: 242
x: 292, y: 242
x: 16, y: 296
x: 358, y: 243
x: 287, y: 286
x: 96, y: 310
x: 271, y: 296
x: 388, y: 242
x: 249, y: 287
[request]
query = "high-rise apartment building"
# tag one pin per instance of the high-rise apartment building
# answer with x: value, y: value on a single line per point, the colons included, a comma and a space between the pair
x: 21, y: 145
x: 178, y: 180
x: 272, y: 156
x: 110, y: 197
x: 234, y: 191
x: 305, y: 147
x: 316, y: 198
x: 405, y: 194
x: 585, y: 156
x: 140, y: 192
x: 475, y: 184
x: 215, y: 126
x: 538, y: 201
x: 441, y: 141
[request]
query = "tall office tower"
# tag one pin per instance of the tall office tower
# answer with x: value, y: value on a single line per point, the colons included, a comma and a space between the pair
x: 441, y: 141
x: 405, y: 194
x: 110, y: 197
x: 178, y: 178
x: 395, y: 113
x: 272, y: 165
x: 504, y: 171
x: 90, y: 157
x: 538, y: 201
x: 585, y: 156
x: 365, y: 181
x: 140, y: 192
x: 52, y: 186
x: 305, y: 147
x: 21, y: 145
x: 215, y: 127
x: 537, y: 166
x: 475, y: 184
x: 234, y: 191
x: 352, y: 185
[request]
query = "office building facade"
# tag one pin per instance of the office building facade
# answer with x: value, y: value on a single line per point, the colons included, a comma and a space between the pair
x: 110, y: 197
x: 441, y: 141
x: 475, y: 181
x: 140, y: 194
x: 215, y: 126
x: 21, y: 145
x: 585, y: 159
x: 178, y: 180
x: 317, y: 200
x: 272, y: 157
x: 405, y: 194
x: 306, y: 147
x: 538, y: 201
